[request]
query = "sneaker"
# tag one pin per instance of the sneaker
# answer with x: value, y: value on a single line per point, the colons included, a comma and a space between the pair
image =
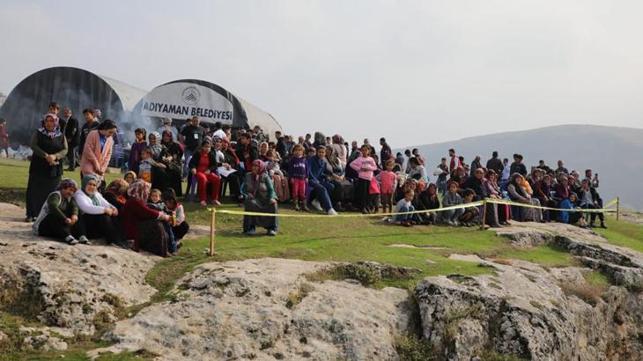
x: 297, y: 206
x: 216, y: 203
x: 83, y: 240
x: 316, y: 206
x: 332, y: 212
x: 271, y: 233
x: 251, y: 232
x: 204, y: 203
x: 71, y: 240
x: 304, y: 207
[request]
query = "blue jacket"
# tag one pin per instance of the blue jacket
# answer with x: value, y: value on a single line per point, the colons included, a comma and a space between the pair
x: 316, y: 169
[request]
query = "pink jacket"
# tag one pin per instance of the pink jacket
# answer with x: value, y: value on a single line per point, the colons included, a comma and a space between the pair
x: 388, y: 180
x: 364, y: 167
x: 93, y: 159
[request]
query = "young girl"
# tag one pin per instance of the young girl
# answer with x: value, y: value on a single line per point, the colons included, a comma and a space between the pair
x: 59, y: 215
x: 146, y: 165
x: 374, y: 196
x: 298, y: 173
x: 388, y: 180
x: 155, y: 202
x: 278, y: 178
x: 364, y: 165
x: 405, y: 205
x: 179, y: 225
x: 137, y: 149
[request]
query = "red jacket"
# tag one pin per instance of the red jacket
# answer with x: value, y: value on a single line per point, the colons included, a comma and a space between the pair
x: 133, y: 212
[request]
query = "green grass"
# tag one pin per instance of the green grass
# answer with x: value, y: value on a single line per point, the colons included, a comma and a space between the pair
x: 328, y: 239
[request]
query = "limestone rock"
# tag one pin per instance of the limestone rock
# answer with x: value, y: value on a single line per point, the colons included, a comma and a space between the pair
x: 266, y: 309
x: 66, y: 286
x: 522, y: 310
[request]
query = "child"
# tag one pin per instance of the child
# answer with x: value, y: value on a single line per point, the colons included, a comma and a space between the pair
x: 279, y: 180
x: 147, y: 164
x: 405, y: 205
x: 154, y: 201
x: 137, y: 149
x: 388, y: 180
x: 130, y: 177
x: 470, y: 215
x: 58, y: 217
x: 298, y: 173
x: 179, y: 225
x: 364, y: 165
x: 373, y: 196
x: 451, y: 198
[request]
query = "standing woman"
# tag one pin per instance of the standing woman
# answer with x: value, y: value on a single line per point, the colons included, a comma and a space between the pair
x: 45, y: 170
x: 98, y: 149
x: 260, y: 197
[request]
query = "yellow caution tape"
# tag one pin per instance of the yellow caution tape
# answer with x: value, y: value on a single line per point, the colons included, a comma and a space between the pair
x: 459, y: 206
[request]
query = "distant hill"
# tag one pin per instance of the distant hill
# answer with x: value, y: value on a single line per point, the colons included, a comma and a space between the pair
x: 615, y: 153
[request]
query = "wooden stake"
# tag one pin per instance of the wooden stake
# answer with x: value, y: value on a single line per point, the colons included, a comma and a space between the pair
x: 212, y: 231
x: 484, y: 214
x: 618, y: 207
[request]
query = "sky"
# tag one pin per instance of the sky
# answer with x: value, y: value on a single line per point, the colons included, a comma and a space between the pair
x: 416, y: 72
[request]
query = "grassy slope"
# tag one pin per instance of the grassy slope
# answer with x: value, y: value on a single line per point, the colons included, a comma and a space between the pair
x: 331, y: 239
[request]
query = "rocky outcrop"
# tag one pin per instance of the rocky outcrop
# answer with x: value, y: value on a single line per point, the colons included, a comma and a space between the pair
x: 267, y: 309
x: 523, y: 310
x: 70, y: 287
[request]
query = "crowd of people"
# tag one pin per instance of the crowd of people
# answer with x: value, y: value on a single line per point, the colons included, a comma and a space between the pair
x: 312, y: 173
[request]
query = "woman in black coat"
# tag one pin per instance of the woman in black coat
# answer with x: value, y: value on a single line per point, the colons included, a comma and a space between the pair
x: 49, y: 147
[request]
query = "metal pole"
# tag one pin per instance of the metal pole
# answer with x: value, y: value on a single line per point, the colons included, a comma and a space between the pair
x: 618, y: 207
x: 484, y: 213
x: 212, y: 231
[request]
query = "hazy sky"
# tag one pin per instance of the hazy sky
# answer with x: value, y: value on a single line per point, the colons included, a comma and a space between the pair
x: 414, y: 71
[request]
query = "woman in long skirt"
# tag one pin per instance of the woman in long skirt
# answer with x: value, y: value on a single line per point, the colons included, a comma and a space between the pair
x: 260, y: 196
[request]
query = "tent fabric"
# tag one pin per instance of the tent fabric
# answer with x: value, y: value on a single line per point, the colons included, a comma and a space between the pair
x: 178, y: 94
x: 70, y: 87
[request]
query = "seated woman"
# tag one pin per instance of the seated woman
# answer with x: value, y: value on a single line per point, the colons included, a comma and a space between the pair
x: 231, y: 162
x: 203, y: 165
x: 142, y: 224
x: 58, y: 216
x: 260, y: 196
x: 518, y: 192
x: 562, y: 195
x: 470, y: 215
x: 116, y: 193
x: 98, y: 216
x: 428, y: 200
x: 170, y: 156
x: 278, y: 178
x: 493, y: 191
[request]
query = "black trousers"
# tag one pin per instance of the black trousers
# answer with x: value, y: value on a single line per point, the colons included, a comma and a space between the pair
x: 71, y: 155
x: 55, y: 227
x: 180, y: 230
x: 360, y: 196
x: 100, y: 226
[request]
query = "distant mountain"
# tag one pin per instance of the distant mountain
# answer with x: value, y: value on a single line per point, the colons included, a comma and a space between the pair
x: 615, y: 153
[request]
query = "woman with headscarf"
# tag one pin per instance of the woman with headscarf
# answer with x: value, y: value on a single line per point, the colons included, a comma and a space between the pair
x: 260, y: 196
x: 45, y: 170
x: 142, y: 223
x: 518, y: 193
x: 170, y: 155
x: 116, y: 193
x: 58, y: 217
x: 98, y: 217
x: 231, y: 162
x: 97, y: 150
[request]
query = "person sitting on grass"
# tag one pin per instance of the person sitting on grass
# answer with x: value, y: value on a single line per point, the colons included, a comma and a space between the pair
x: 588, y: 199
x: 428, y: 200
x: 470, y: 215
x: 404, y: 206
x: 259, y: 194
x: 58, y: 217
x: 576, y: 218
x: 116, y: 193
x: 141, y: 223
x: 180, y: 226
x: 451, y: 198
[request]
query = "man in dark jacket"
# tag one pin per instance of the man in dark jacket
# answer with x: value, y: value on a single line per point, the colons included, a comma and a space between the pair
x: 385, y: 153
x: 192, y: 135
x: 90, y: 124
x: 517, y: 166
x: 71, y: 134
x: 495, y: 163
